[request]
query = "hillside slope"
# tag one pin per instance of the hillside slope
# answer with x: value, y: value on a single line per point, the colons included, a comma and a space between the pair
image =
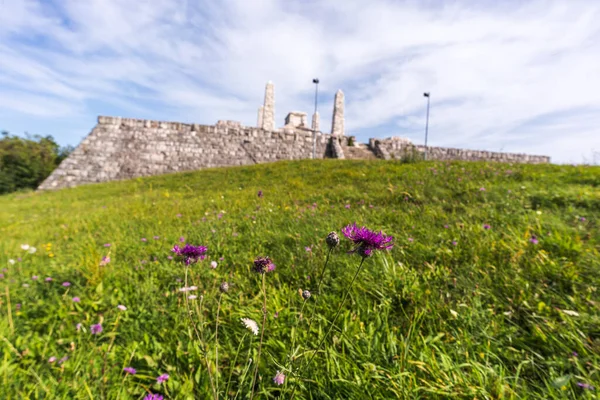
x: 491, y: 289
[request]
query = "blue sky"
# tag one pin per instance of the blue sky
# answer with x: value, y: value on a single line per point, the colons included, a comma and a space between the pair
x: 518, y: 76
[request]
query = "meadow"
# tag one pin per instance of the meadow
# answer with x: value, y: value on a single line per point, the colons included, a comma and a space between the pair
x: 489, y: 292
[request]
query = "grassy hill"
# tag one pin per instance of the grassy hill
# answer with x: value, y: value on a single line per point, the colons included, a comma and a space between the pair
x: 491, y: 289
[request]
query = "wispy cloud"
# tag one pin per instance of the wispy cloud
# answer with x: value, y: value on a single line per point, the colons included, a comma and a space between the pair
x: 517, y: 76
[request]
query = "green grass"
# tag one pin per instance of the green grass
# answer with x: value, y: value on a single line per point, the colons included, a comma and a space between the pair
x: 480, y: 319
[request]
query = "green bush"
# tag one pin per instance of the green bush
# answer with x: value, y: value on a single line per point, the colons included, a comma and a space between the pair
x: 26, y: 162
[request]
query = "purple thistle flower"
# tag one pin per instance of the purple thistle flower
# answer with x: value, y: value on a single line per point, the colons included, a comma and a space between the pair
x: 586, y: 386
x: 190, y: 254
x: 260, y: 193
x: 263, y: 264
x: 582, y: 219
x: 454, y: 243
x: 279, y: 378
x: 534, y: 239
x: 151, y: 396
x: 66, y: 284
x: 76, y: 299
x: 130, y: 370
x: 366, y: 240
x: 181, y: 239
x: 48, y: 279
x: 162, y: 378
x: 486, y: 226
x: 96, y: 329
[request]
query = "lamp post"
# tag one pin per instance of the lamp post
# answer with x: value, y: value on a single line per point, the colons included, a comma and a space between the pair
x: 316, y: 82
x: 426, y: 94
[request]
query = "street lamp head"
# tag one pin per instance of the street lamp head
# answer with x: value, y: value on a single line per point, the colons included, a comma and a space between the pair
x: 316, y: 80
x: 426, y: 94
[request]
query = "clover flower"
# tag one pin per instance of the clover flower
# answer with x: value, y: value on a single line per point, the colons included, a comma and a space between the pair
x: 105, y: 260
x: 48, y: 279
x: 76, y: 299
x: 130, y: 370
x: 250, y: 324
x: 151, y: 396
x: 224, y: 287
x: 279, y: 378
x: 66, y: 284
x: 189, y: 253
x: 263, y: 264
x: 486, y: 226
x: 213, y: 264
x: 162, y: 378
x: 534, y: 239
x: 122, y: 307
x: 96, y: 329
x: 367, y: 241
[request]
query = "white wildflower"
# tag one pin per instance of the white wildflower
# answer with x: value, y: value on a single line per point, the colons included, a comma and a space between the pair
x: 192, y: 297
x: 32, y: 250
x: 213, y: 264
x: 121, y: 307
x: 250, y: 324
x: 25, y: 246
x: 11, y: 261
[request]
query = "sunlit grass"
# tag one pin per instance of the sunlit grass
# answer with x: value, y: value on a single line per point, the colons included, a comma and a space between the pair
x: 454, y: 310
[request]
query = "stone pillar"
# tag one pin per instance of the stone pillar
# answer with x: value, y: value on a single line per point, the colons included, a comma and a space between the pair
x: 260, y: 116
x: 337, y: 126
x: 268, y: 120
x: 315, y: 122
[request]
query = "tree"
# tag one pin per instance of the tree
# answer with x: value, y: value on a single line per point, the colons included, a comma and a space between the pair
x: 26, y: 162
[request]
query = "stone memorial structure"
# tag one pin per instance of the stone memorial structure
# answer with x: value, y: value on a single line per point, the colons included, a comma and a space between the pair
x: 124, y: 148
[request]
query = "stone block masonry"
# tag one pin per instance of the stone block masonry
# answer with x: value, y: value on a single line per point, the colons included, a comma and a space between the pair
x: 123, y: 148
x: 397, y: 148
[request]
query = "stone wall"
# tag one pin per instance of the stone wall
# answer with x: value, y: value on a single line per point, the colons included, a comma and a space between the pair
x: 397, y: 148
x: 123, y: 148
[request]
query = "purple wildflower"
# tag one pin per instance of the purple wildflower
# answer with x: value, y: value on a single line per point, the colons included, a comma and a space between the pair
x: 105, y: 260
x: 276, y: 315
x: 586, y: 386
x: 76, y: 299
x: 62, y: 360
x: 190, y: 254
x: 169, y: 257
x: 486, y: 226
x: 66, y: 284
x: 279, y: 378
x: 575, y: 354
x: 1, y: 276
x: 178, y: 215
x: 96, y: 329
x: 78, y: 326
x: 454, y: 243
x: 130, y: 370
x: 18, y: 306
x: 156, y: 237
x: 162, y: 378
x: 181, y: 239
x: 260, y: 193
x: 366, y: 240
x: 411, y: 239
x: 34, y: 277
x: 446, y: 226
x: 107, y: 245
x: 151, y: 396
x: 347, y: 206
x: 582, y: 219
x: 52, y: 359
x: 534, y: 239
x: 482, y: 189
x: 48, y: 279
x: 263, y: 264
x: 144, y: 239
x: 308, y: 249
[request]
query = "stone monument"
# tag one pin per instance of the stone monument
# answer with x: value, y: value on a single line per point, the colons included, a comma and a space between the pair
x: 337, y: 126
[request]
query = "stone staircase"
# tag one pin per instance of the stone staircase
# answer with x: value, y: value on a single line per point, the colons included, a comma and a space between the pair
x: 360, y: 151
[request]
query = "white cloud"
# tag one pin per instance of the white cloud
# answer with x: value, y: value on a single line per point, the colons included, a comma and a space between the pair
x: 517, y: 76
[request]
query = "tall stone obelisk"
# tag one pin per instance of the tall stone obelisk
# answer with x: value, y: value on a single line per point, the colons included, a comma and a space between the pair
x: 337, y: 126
x: 315, y: 122
x: 268, y: 112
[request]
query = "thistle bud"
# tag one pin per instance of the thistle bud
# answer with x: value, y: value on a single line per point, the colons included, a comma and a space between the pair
x: 332, y: 240
x: 224, y: 287
x: 306, y: 294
